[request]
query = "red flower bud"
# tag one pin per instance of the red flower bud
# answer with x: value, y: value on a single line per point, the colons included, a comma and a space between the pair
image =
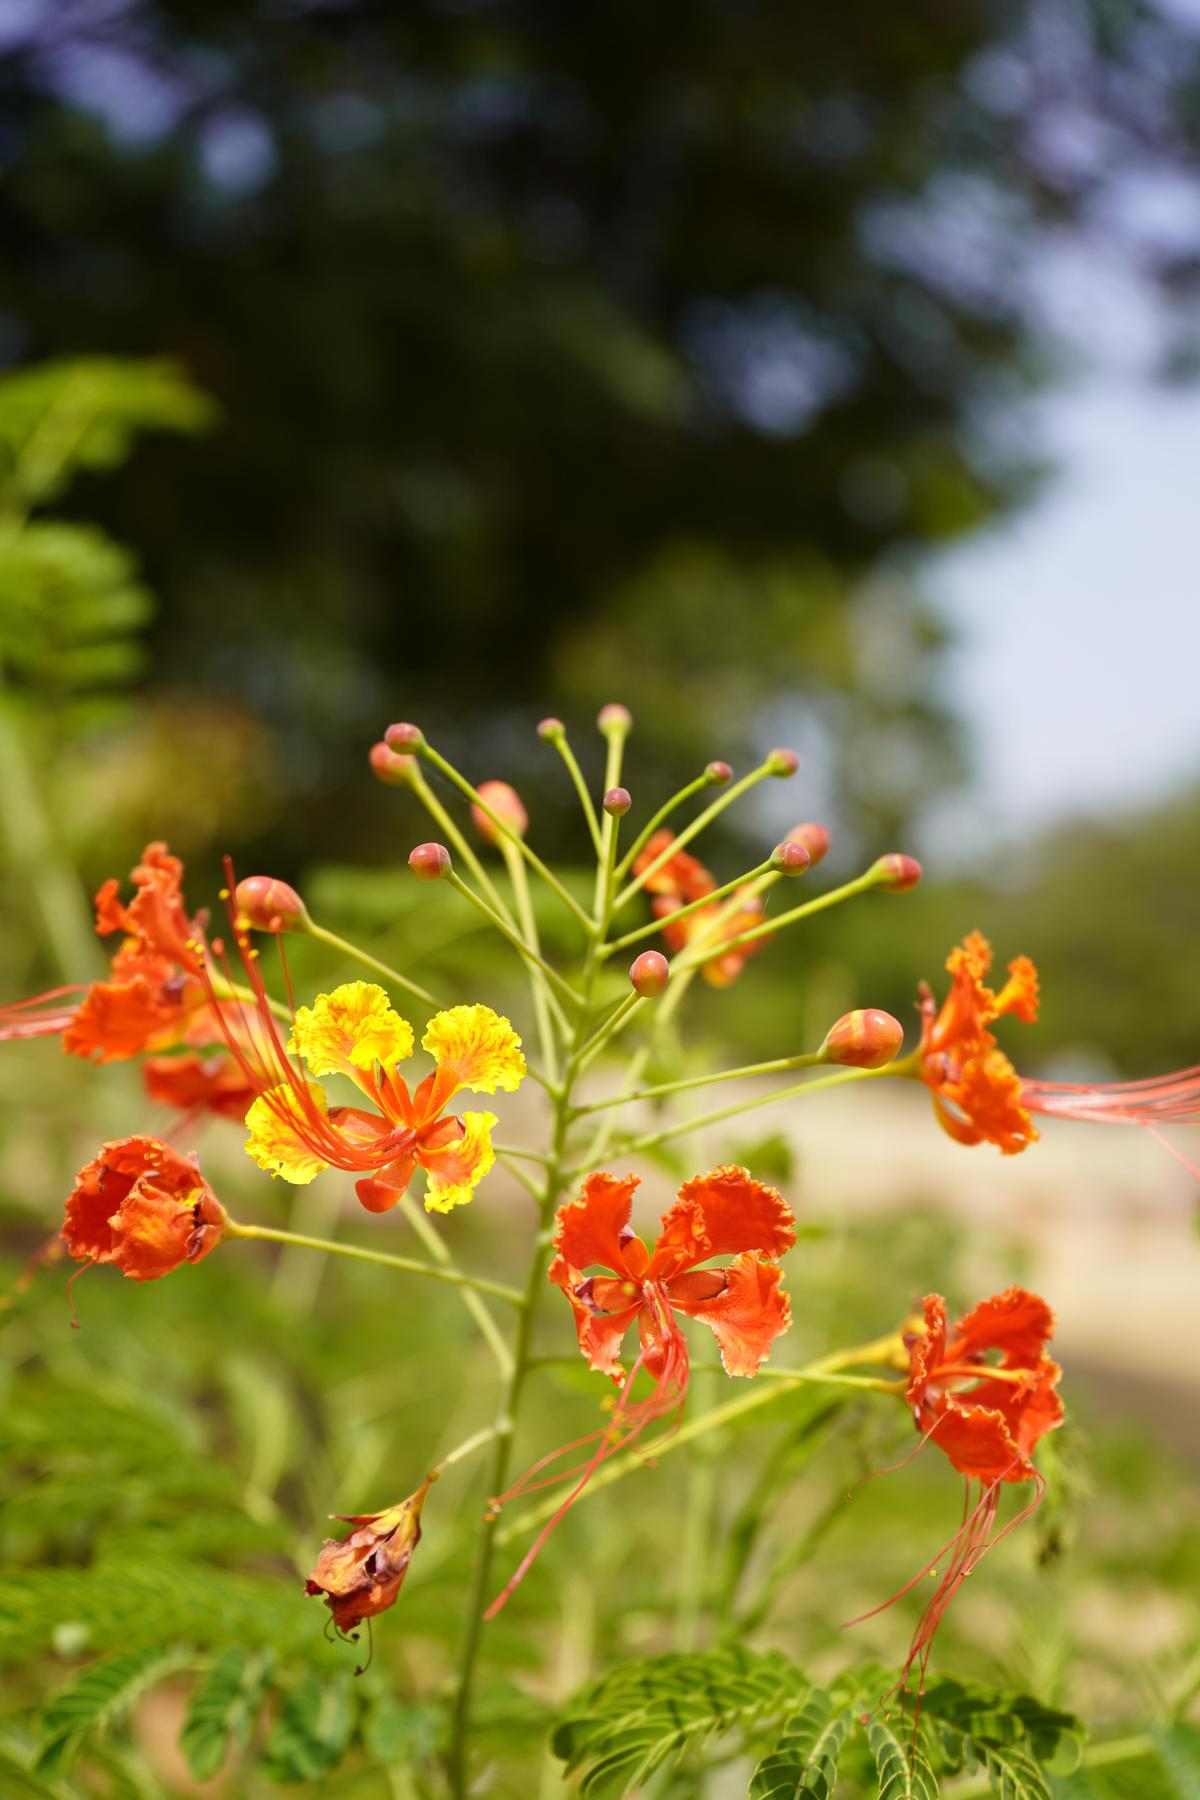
x: 614, y: 717
x: 405, y: 737
x: 505, y: 802
x: 648, y: 974
x: 430, y: 862
x: 790, y: 858
x: 718, y: 773
x: 865, y: 1039
x: 896, y: 872
x: 782, y: 763
x: 815, y: 838
x: 387, y: 765
x: 550, y: 730
x: 617, y: 802
x: 265, y: 904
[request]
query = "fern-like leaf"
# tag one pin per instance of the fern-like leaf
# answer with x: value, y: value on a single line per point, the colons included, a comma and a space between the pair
x: 803, y: 1764
x: 901, y: 1764
x: 95, y: 1700
x: 223, y: 1708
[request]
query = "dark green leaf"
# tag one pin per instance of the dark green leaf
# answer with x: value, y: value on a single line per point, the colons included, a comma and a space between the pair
x: 803, y: 1764
x: 96, y: 1699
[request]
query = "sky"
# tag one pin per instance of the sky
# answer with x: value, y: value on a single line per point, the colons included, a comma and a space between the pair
x: 1078, y: 667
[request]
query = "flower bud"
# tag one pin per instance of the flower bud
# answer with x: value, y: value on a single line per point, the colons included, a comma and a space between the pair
x: 505, y: 802
x: 782, y: 763
x: 405, y: 737
x: 718, y: 774
x: 895, y: 872
x: 790, y: 859
x: 617, y: 802
x: 430, y: 862
x: 387, y: 765
x: 551, y: 730
x: 266, y: 904
x: 865, y: 1039
x: 815, y: 838
x: 614, y: 718
x: 648, y: 974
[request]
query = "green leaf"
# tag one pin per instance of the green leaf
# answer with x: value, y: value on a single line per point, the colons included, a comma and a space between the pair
x: 647, y: 1714
x: 900, y: 1763
x: 313, y: 1730
x: 803, y: 1764
x: 222, y: 1708
x: 20, y: 1783
x: 95, y: 1700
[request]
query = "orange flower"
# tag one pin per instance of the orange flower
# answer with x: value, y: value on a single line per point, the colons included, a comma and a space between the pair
x: 988, y: 1419
x: 360, y: 1575
x: 144, y: 1207
x: 724, y: 1213
x: 720, y: 1214
x: 679, y: 882
x: 976, y: 1091
x: 155, y: 997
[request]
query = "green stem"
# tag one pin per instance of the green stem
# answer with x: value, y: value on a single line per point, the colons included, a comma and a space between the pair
x: 451, y: 829
x: 546, y: 1010
x: 535, y: 862
x: 469, y: 1445
x: 408, y: 1264
x: 651, y: 1139
x: 559, y: 740
x: 664, y: 812
x: 809, y: 1060
x: 711, y: 812
x: 861, y: 884
x: 322, y: 936
x: 532, y: 957
x: 763, y: 873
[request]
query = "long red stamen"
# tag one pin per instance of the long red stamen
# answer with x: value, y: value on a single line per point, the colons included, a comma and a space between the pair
x: 1157, y: 1099
x: 670, y: 1391
x: 18, y: 1020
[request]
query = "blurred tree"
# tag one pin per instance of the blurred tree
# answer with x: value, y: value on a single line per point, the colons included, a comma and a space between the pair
x: 568, y: 350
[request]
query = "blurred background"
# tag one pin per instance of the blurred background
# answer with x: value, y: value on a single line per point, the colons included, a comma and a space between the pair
x: 795, y: 375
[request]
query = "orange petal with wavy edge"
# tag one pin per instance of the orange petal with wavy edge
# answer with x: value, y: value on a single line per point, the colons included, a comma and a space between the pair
x: 143, y: 1206
x: 928, y: 1351
x: 748, y: 1314
x: 455, y: 1170
x: 979, y: 1444
x: 720, y: 1213
x: 989, y: 1093
x: 119, y: 1019
x: 588, y: 1234
x: 1016, y: 1322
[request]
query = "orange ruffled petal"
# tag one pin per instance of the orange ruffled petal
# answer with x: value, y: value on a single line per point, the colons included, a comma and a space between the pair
x: 588, y: 1234
x: 746, y: 1316
x: 719, y: 1214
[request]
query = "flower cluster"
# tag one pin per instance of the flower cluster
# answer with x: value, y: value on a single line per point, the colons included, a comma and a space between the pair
x: 213, y: 1038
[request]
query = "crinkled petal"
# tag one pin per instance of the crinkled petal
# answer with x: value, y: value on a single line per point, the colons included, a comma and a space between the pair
x: 928, y: 1351
x: 747, y: 1316
x: 455, y: 1171
x: 720, y: 1213
x: 215, y: 1084
x: 476, y: 1048
x: 350, y: 1030
x: 120, y: 1019
x: 1017, y: 1322
x: 978, y: 1442
x: 989, y: 1093
x: 1019, y: 995
x: 276, y: 1142
x: 589, y: 1229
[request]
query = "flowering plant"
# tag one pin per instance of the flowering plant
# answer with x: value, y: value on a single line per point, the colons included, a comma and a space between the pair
x: 213, y: 1019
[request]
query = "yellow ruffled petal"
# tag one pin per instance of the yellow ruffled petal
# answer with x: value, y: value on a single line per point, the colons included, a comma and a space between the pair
x: 477, y: 1047
x: 453, y: 1174
x: 275, y: 1143
x: 352, y: 1028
